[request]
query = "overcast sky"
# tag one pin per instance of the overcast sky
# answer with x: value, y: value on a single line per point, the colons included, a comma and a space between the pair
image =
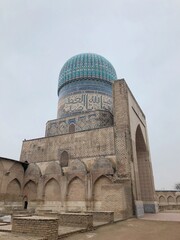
x: 141, y: 38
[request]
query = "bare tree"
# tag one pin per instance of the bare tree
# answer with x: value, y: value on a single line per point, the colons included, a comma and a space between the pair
x: 177, y: 186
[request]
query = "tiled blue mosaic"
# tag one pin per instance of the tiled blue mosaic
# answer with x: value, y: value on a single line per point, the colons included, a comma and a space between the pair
x: 85, y: 84
x: 86, y: 67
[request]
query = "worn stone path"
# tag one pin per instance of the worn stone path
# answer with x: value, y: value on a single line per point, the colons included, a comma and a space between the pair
x: 175, y: 217
x: 137, y: 229
x: 10, y: 236
x: 161, y: 226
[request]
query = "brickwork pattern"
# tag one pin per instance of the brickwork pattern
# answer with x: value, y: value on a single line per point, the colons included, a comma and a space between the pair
x: 39, y: 227
x: 99, y: 142
x: 101, y: 216
x: 122, y: 127
x: 168, y: 197
x: 76, y: 219
x: 81, y: 122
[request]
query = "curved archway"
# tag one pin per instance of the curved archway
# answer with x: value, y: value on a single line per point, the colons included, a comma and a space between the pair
x: 170, y: 200
x: 144, y: 168
x: 162, y: 200
x: 76, y: 190
x: 64, y: 159
x: 13, y: 190
x: 52, y: 191
x: 99, y: 193
x: 76, y: 195
x: 30, y: 190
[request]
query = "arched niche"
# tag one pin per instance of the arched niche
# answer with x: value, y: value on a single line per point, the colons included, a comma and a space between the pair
x: 162, y: 200
x: 64, y: 159
x: 76, y: 190
x: 52, y: 191
x: 13, y: 190
x: 99, y: 191
x: 30, y: 190
x: 170, y: 200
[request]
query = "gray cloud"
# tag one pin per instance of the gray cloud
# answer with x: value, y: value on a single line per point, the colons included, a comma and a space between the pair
x: 140, y: 38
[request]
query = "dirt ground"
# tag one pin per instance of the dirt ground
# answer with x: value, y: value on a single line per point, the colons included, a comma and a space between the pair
x: 133, y: 229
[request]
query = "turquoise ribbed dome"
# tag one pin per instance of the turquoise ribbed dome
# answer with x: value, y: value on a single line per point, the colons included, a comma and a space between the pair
x: 86, y: 66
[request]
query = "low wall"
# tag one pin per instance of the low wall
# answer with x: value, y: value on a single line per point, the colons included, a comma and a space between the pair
x: 168, y: 207
x: 103, y: 216
x: 37, y: 226
x: 76, y: 219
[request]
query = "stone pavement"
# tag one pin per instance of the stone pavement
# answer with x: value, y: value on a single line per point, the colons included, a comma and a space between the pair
x: 14, y: 236
x: 175, y: 217
x: 64, y: 231
x: 133, y: 229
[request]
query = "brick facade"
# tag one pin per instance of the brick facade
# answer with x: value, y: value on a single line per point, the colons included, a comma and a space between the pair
x: 37, y: 226
x: 103, y: 169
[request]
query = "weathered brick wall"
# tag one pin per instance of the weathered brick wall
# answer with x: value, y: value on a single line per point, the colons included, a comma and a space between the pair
x: 81, y: 122
x: 46, y: 227
x: 128, y: 119
x: 171, y: 197
x: 141, y: 169
x: 11, y: 178
x: 115, y: 197
x: 122, y: 127
x: 101, y: 216
x: 11, y: 182
x: 76, y: 219
x: 92, y: 143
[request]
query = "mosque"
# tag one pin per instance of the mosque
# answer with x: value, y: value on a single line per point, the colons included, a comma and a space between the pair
x: 95, y: 155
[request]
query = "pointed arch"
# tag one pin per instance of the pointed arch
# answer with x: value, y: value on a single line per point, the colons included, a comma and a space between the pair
x: 64, y: 159
x: 76, y: 190
x: 162, y: 200
x: 52, y: 191
x: 30, y: 190
x: 99, y: 191
x: 170, y: 200
x: 13, y: 190
x: 98, y: 185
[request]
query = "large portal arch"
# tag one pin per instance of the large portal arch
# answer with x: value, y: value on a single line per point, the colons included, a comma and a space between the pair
x: 144, y: 168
